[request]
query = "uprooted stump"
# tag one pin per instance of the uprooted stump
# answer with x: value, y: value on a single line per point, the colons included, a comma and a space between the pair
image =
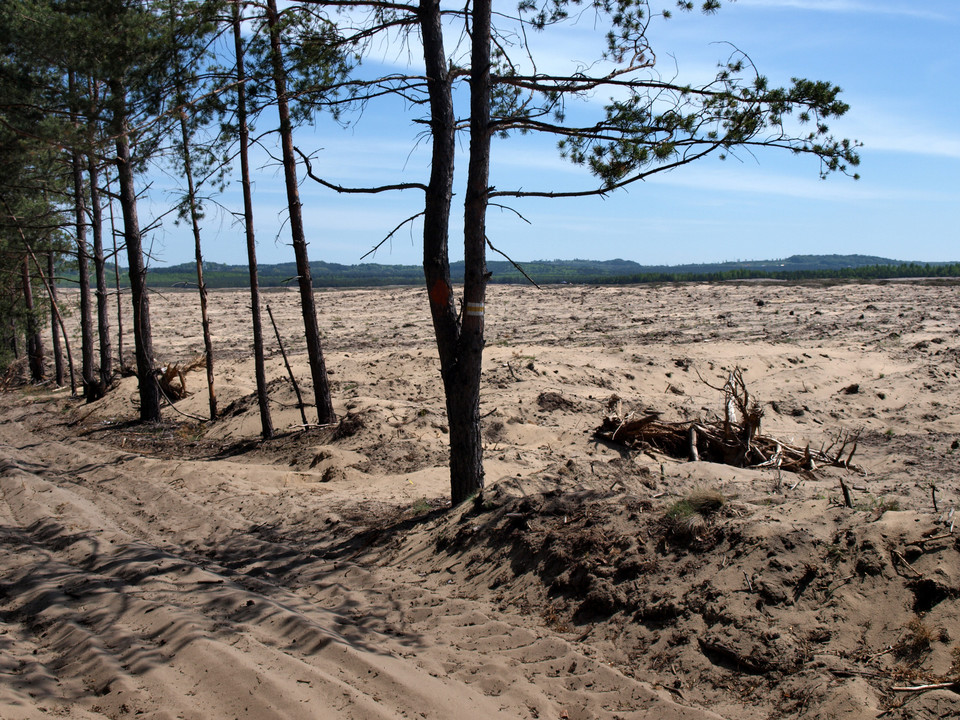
x: 173, y: 381
x: 733, y: 440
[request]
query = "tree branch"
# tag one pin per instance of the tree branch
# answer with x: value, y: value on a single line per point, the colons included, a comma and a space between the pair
x: 390, y: 235
x: 513, y: 262
x: 366, y: 191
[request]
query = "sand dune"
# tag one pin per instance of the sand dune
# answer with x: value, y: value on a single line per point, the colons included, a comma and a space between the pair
x: 184, y: 570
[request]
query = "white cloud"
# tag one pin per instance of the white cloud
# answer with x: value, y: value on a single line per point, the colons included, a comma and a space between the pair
x: 850, y: 6
x: 872, y: 123
x: 915, y: 143
x: 754, y: 183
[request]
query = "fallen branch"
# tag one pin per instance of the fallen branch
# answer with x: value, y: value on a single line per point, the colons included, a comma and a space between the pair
x: 903, y: 561
x: 713, y: 444
x: 952, y: 685
x: 293, y: 379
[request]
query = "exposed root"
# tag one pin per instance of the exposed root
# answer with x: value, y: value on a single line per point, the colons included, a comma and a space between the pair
x: 733, y: 440
x: 173, y: 379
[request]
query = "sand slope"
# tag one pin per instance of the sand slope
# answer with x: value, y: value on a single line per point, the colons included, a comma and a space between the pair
x: 185, y: 570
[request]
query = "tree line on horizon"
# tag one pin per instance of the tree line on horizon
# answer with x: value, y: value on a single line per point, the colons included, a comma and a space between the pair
x: 93, y: 93
x: 548, y: 272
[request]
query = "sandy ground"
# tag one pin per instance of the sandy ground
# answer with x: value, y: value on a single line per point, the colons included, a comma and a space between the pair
x: 185, y: 570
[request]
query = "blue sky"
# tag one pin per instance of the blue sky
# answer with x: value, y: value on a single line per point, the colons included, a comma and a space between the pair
x: 897, y: 61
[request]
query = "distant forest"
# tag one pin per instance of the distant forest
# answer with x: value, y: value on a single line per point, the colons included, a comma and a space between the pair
x: 546, y: 272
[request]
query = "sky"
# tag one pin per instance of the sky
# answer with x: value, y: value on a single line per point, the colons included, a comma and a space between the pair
x: 897, y: 62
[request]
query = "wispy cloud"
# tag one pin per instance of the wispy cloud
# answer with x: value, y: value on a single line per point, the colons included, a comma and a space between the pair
x: 745, y: 182
x: 881, y: 129
x: 914, y: 143
x: 851, y: 6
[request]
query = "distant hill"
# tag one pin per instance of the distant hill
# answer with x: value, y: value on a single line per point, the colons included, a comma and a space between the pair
x: 795, y: 267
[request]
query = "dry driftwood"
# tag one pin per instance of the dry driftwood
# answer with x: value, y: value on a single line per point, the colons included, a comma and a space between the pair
x: 733, y: 440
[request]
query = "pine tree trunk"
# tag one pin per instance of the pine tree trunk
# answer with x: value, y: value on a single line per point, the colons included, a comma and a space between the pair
x: 149, y: 388
x: 54, y: 325
x: 201, y: 286
x: 460, y: 346
x: 466, y: 446
x: 318, y: 371
x: 34, y: 341
x: 87, y: 374
x: 116, y: 280
x: 103, y: 317
x: 266, y: 422
x: 13, y: 342
x: 49, y: 286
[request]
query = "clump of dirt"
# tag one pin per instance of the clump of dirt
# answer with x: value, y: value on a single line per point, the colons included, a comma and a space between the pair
x: 350, y: 424
x: 551, y: 401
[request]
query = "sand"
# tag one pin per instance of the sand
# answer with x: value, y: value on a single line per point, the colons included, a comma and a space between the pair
x: 185, y: 570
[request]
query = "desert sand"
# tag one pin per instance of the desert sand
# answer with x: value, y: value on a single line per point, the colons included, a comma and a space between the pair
x: 187, y: 570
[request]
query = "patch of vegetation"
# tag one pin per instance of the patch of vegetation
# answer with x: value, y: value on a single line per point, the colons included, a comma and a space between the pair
x: 689, y: 518
x: 877, y: 506
x: 955, y: 664
x: 915, y: 643
x: 421, y: 507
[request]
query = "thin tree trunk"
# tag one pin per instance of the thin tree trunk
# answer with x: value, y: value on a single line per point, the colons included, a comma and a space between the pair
x: 54, y: 327
x: 266, y: 423
x: 318, y: 371
x: 51, y: 293
x: 201, y: 287
x: 116, y: 279
x: 142, y: 336
x: 103, y: 317
x: 293, y: 379
x: 90, y: 385
x: 34, y: 341
x: 12, y: 341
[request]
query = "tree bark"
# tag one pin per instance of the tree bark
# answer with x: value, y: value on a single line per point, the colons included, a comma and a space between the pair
x: 55, y: 327
x: 51, y: 294
x: 318, y: 371
x: 103, y: 311
x: 463, y: 391
x: 34, y: 341
x: 201, y: 287
x: 459, y: 345
x: 149, y: 388
x: 266, y: 422
x: 13, y: 342
x: 88, y: 378
x: 116, y: 280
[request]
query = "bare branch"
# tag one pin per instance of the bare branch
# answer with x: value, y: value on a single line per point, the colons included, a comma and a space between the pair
x: 390, y: 235
x: 514, y: 263
x: 346, y: 190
